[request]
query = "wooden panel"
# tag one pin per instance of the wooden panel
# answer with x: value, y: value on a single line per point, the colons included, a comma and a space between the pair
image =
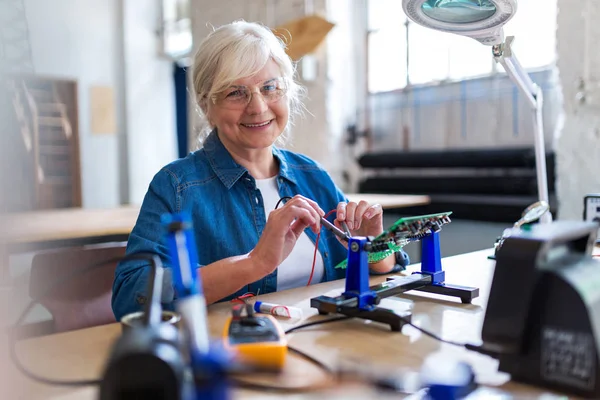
x: 103, y: 111
x: 48, y: 111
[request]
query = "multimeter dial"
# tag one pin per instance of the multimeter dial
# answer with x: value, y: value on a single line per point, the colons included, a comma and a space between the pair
x: 250, y: 330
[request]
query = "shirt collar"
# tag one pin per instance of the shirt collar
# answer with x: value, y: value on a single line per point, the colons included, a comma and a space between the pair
x: 228, y: 171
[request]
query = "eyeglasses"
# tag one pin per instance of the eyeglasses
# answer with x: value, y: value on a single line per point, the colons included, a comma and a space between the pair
x: 239, y: 96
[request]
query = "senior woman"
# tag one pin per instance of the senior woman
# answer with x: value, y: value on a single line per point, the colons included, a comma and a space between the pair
x: 244, y: 85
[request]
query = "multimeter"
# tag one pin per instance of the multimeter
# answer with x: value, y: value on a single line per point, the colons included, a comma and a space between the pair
x: 591, y: 210
x: 257, y: 340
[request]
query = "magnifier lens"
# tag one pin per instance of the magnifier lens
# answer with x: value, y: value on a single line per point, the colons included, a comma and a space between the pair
x: 459, y: 11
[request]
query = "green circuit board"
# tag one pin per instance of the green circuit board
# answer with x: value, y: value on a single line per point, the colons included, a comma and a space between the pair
x: 405, y: 230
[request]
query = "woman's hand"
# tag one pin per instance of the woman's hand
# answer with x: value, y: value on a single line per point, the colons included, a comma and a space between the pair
x: 362, y: 219
x: 284, y: 227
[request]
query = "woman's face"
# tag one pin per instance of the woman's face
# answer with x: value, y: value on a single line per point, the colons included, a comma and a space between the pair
x: 257, y: 124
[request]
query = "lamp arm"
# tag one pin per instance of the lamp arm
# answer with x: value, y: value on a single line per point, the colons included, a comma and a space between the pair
x: 503, y: 55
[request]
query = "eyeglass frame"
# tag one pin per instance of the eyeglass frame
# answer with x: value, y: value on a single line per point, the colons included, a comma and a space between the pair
x: 284, y: 89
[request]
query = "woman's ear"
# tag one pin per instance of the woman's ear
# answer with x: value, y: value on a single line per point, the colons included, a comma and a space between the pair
x: 204, y: 107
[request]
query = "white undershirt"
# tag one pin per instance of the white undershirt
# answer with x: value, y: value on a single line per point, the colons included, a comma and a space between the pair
x: 295, y: 270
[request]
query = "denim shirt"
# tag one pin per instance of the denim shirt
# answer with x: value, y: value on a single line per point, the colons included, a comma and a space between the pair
x: 228, y: 217
x: 227, y: 214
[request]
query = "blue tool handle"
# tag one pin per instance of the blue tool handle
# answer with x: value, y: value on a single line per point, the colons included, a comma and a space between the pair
x: 182, y: 251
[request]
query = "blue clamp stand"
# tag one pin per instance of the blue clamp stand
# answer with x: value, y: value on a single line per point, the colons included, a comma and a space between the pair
x: 431, y: 260
x: 431, y: 265
x: 357, y: 275
x: 359, y: 300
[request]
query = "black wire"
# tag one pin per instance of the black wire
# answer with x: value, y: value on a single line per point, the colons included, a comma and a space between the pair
x: 284, y: 389
x: 323, y: 321
x: 55, y: 285
x: 405, y: 320
x: 284, y: 198
x: 311, y: 359
x: 433, y: 335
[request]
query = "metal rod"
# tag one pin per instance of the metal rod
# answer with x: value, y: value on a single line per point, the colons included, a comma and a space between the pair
x: 540, y: 155
x: 533, y: 94
x: 153, y: 309
x: 336, y: 231
x: 526, y: 89
x: 345, y: 226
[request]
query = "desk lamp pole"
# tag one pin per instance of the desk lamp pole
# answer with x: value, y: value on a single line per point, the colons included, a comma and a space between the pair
x: 504, y: 55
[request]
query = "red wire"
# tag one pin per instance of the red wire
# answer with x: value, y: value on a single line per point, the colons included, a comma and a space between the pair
x: 240, y: 299
x: 312, y: 271
x: 287, y: 310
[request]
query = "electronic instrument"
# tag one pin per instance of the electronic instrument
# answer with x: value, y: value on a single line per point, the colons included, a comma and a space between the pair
x: 542, y: 320
x: 591, y: 210
x: 257, y: 340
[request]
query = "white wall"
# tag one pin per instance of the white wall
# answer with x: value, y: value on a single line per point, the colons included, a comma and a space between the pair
x: 578, y: 146
x: 110, y: 43
x: 77, y: 40
x: 346, y: 79
x: 151, y: 138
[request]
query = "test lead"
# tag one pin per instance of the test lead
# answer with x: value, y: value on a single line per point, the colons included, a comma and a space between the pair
x: 336, y: 231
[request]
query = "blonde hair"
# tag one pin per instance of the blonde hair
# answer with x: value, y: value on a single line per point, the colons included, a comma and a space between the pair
x: 239, y: 50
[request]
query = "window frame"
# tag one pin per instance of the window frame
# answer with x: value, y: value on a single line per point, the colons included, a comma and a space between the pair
x: 494, y: 69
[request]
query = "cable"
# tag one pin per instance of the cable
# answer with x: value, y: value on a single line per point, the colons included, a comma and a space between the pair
x: 405, y: 320
x: 283, y: 389
x: 284, y: 198
x: 314, y: 262
x: 433, y: 335
x: 312, y: 270
x: 320, y: 322
x: 55, y: 285
x: 311, y: 359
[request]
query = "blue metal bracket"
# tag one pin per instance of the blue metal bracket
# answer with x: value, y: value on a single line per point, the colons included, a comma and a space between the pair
x: 360, y: 300
x: 431, y: 259
x: 357, y: 274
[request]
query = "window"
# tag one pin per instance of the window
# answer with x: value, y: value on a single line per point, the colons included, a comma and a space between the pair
x: 401, y: 52
x: 387, y: 57
x: 176, y: 29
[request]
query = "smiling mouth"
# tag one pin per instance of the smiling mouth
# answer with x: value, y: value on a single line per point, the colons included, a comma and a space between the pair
x: 259, y: 125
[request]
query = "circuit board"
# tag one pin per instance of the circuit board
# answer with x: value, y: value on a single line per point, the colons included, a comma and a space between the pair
x: 403, y: 231
x: 412, y: 228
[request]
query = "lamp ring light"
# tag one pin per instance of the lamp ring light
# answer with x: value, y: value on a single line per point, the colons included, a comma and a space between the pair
x: 479, y: 19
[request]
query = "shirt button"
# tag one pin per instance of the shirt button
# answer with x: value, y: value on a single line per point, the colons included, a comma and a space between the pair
x: 325, y: 255
x: 141, y: 300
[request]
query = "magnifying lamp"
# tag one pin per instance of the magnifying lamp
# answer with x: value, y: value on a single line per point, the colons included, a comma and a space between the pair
x: 483, y: 20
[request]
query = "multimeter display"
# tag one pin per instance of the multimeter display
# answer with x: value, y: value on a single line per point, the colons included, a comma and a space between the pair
x: 252, y: 330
